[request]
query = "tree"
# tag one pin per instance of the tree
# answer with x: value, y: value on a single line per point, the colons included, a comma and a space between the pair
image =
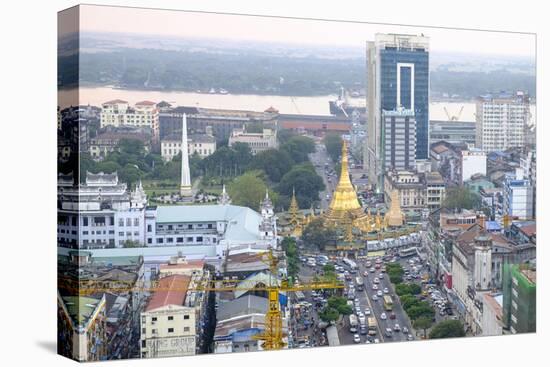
x: 408, y: 301
x: 315, y: 235
x: 402, y: 289
x: 329, y: 314
x: 447, y: 329
x: 340, y: 304
x: 288, y: 244
x: 423, y: 323
x: 422, y: 309
x: 299, y: 147
x: 333, y: 144
x: 284, y: 135
x: 107, y: 167
x: 243, y: 153
x: 249, y: 190
x: 130, y: 174
x: 415, y: 288
x: 274, y: 162
x: 305, y: 182
x: 461, y: 198
x: 130, y: 146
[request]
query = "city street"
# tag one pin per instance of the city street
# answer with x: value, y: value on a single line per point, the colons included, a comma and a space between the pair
x: 319, y: 159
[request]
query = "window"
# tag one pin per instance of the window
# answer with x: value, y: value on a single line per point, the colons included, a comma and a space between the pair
x: 189, y: 226
x: 149, y: 240
x: 186, y: 328
x: 189, y: 239
x: 128, y: 222
x: 149, y: 228
x: 199, y: 239
x: 121, y: 234
x: 85, y: 221
x: 170, y: 329
x: 170, y: 240
x: 170, y: 318
x: 154, y: 331
x: 179, y: 240
x: 144, y: 344
x: 143, y: 330
x: 121, y: 222
x: 186, y: 317
x: 160, y: 240
x: 153, y: 319
x: 136, y: 222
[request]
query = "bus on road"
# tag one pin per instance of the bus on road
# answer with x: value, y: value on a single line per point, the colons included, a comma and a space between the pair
x: 409, y: 251
x: 350, y: 263
x: 371, y: 322
x: 360, y: 283
x: 353, y: 323
x: 388, y: 303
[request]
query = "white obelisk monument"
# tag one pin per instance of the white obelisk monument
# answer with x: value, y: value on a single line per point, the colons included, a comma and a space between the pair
x: 185, y: 187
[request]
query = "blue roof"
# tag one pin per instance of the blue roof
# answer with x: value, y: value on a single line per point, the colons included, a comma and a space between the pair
x: 492, y: 225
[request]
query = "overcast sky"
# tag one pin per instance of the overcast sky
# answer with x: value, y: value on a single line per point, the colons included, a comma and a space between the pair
x: 295, y: 31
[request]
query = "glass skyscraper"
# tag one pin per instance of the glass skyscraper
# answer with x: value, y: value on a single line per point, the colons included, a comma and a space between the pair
x: 397, y: 77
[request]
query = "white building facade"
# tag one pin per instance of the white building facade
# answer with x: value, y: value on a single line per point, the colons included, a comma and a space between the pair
x: 473, y: 162
x: 101, y: 213
x: 203, y: 145
x: 258, y: 142
x: 501, y: 121
x: 518, y: 196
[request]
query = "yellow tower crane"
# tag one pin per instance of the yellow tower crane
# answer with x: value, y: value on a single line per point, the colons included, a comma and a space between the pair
x: 272, y: 336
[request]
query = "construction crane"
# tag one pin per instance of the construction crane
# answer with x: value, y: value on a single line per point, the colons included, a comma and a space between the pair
x: 455, y: 117
x: 272, y: 336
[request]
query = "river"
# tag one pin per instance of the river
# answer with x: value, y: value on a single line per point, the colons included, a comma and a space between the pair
x: 316, y: 105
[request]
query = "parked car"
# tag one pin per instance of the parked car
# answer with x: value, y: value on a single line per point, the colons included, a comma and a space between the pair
x: 356, y: 338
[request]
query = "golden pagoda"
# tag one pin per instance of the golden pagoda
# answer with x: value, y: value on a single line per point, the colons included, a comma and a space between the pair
x: 344, y: 205
x: 394, y: 216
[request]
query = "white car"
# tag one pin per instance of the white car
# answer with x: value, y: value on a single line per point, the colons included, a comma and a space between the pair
x: 356, y: 338
x: 386, y: 291
x: 376, y: 340
x: 376, y: 280
x: 380, y: 276
x: 396, y: 327
x: 383, y: 316
x: 379, y: 293
x: 367, y: 311
x: 374, y: 297
x: 374, y: 287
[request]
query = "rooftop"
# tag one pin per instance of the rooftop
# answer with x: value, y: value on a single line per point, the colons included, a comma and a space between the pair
x: 81, y: 309
x: 242, y: 222
x: 249, y: 304
x: 172, y: 291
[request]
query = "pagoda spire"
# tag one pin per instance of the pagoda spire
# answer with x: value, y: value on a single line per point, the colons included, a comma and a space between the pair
x: 395, y: 217
x: 224, y: 198
x: 293, y: 209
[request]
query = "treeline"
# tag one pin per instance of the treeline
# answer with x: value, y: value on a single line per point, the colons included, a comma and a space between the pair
x: 249, y: 73
x: 284, y: 170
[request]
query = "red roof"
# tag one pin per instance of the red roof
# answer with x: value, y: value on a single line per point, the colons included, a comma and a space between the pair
x: 171, y: 291
x: 529, y: 229
x: 145, y: 103
x: 440, y: 148
x: 115, y: 101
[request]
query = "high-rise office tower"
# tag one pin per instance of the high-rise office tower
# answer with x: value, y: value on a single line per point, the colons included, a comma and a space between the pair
x: 400, y: 139
x: 397, y: 77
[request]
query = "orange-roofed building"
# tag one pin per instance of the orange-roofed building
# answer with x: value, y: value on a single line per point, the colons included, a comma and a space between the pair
x: 168, y: 324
